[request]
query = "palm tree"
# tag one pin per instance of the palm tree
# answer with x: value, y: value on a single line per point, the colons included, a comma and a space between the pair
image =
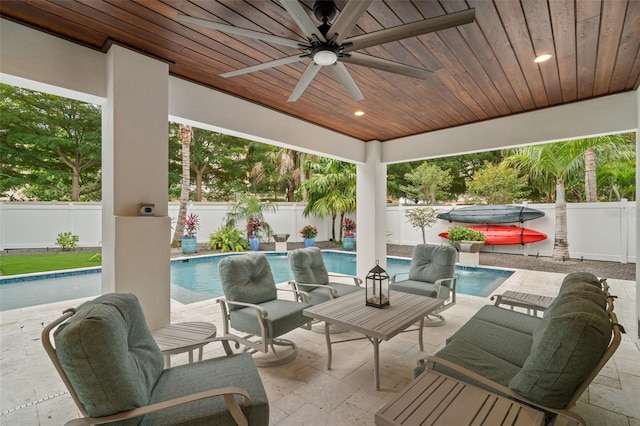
x: 288, y: 163
x: 186, y: 133
x: 331, y: 190
x: 604, y: 148
x: 548, y: 165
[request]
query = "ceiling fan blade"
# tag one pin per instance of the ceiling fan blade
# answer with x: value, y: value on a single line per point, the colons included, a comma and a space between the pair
x: 264, y: 65
x: 385, y: 65
x: 302, y: 19
x: 305, y: 80
x: 347, y: 19
x: 411, y: 30
x: 240, y: 31
x: 341, y: 73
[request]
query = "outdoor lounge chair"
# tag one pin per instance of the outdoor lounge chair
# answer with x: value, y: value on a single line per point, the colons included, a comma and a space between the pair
x: 251, y: 305
x: 431, y: 274
x: 113, y: 370
x: 310, y: 275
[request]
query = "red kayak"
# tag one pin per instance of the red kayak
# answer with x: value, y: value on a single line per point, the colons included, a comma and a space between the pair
x: 505, y: 234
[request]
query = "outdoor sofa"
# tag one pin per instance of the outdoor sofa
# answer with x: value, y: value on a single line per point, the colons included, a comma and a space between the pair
x: 544, y: 362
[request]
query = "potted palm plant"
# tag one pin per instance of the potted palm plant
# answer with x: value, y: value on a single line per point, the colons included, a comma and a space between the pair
x: 309, y: 233
x: 349, y: 236
x: 189, y: 240
x: 252, y: 209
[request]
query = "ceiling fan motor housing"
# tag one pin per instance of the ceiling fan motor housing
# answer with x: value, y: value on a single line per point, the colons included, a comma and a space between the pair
x: 324, y: 10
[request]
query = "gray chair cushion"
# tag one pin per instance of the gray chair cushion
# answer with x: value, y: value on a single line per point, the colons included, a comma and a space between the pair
x: 517, y: 321
x: 566, y: 348
x: 319, y: 295
x: 307, y: 265
x: 247, y: 278
x: 235, y: 370
x: 475, y: 359
x: 284, y: 316
x: 510, y: 345
x: 580, y: 278
x: 430, y: 262
x: 109, y: 355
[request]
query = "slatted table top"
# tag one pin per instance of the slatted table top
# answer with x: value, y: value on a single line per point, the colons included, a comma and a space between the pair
x: 183, y: 337
x: 351, y: 312
x: 523, y: 300
x: 436, y: 399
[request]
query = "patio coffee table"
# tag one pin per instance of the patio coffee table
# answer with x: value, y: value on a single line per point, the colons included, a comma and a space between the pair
x: 436, y: 399
x: 351, y: 313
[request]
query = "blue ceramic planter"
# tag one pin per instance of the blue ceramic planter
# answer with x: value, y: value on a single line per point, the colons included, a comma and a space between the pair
x: 189, y: 245
x: 254, y: 244
x: 349, y: 243
x: 308, y: 242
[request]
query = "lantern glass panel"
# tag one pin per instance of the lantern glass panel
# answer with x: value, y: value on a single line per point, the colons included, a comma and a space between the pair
x: 377, y: 287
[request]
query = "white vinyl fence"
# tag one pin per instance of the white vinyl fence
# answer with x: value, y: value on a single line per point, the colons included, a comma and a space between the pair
x: 596, y: 231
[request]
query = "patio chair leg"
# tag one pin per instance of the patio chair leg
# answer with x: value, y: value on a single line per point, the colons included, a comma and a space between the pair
x: 434, y: 320
x: 287, y: 352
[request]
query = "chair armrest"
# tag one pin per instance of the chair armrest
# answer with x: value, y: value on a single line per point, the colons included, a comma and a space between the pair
x: 261, y: 311
x: 357, y: 281
x: 228, y: 394
x: 454, y: 283
x: 393, y: 277
x: 332, y: 291
x: 302, y: 294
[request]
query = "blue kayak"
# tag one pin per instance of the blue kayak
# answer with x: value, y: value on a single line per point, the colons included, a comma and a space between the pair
x: 495, y: 213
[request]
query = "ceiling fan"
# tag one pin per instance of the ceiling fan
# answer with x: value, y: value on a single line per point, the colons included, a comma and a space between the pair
x: 328, y: 46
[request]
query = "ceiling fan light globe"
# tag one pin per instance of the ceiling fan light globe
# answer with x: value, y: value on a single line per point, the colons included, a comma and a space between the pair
x: 325, y: 57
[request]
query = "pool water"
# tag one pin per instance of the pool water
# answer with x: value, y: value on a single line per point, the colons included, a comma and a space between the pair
x: 196, y: 279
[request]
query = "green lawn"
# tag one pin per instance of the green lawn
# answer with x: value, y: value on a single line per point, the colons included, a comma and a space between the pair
x: 26, y: 264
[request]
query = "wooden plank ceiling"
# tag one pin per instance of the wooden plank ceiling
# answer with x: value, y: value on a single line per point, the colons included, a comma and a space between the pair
x: 480, y: 70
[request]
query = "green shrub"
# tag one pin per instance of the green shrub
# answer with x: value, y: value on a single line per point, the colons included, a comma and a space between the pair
x: 67, y: 241
x: 227, y: 238
x: 462, y: 233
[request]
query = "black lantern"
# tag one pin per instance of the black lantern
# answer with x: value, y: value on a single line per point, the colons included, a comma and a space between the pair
x: 377, y: 287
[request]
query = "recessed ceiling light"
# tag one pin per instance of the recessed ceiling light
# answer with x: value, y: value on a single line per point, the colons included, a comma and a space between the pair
x: 358, y: 113
x: 542, y: 58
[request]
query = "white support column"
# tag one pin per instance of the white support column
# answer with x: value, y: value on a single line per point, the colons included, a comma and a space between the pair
x: 371, y: 216
x: 136, y: 252
x: 637, y: 216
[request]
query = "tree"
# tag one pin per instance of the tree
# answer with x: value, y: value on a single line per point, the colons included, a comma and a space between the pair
x: 331, y: 190
x: 219, y: 163
x: 186, y: 134
x: 50, y: 146
x: 428, y: 183
x: 461, y: 168
x: 421, y: 217
x: 497, y: 184
x: 547, y: 165
x: 288, y: 164
x: 602, y: 148
x: 617, y: 181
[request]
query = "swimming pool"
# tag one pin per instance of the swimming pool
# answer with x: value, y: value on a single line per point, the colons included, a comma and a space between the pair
x: 196, y: 279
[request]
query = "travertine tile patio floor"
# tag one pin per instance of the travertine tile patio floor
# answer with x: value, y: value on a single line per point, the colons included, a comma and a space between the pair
x: 304, y: 392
